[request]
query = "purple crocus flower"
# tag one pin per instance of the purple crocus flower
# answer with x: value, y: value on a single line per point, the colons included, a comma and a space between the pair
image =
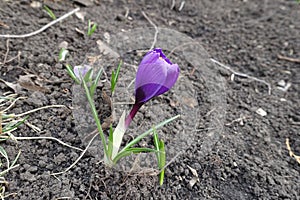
x: 81, y: 69
x: 155, y: 76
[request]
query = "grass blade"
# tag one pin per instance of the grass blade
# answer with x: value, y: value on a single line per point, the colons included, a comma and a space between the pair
x: 110, y: 142
x: 137, y: 139
x: 91, y: 28
x: 95, y: 83
x: 162, y: 161
x: 12, y: 125
x: 132, y: 151
x: 71, y: 73
x: 4, y: 154
x: 49, y: 12
x: 114, y: 77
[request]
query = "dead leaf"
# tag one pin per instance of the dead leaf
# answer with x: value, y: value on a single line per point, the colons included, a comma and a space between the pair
x: 28, y: 82
x: 194, y: 180
x: 63, y: 44
x: 191, y: 102
x: 261, y: 112
x: 194, y: 172
x: 4, y: 25
x: 80, y: 15
x: 15, y: 87
x: 79, y: 31
x: 35, y: 4
x: 85, y: 3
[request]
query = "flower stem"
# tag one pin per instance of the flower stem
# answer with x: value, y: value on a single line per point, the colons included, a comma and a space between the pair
x: 95, y: 115
x: 132, y: 113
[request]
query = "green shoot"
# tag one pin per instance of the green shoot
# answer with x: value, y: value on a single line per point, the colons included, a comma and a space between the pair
x: 162, y: 161
x: 49, y: 12
x: 110, y: 141
x: 132, y: 151
x: 161, y: 155
x: 95, y: 83
x: 88, y: 76
x: 62, y: 54
x: 91, y: 28
x: 71, y: 73
x: 148, y: 132
x: 13, y: 125
x: 96, y: 118
x: 114, y: 77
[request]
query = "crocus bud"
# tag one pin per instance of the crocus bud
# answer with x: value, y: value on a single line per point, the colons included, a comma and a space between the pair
x: 82, y: 70
x: 155, y: 76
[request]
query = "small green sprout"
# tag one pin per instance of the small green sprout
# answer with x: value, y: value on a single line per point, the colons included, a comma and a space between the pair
x: 91, y: 28
x: 114, y: 77
x: 62, y: 54
x: 160, y: 154
x: 49, y: 12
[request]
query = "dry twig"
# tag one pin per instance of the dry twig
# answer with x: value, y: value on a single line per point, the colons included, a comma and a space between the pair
x: 77, y: 160
x: 288, y: 59
x: 243, y: 75
x: 41, y: 108
x: 47, y: 138
x: 43, y: 28
x: 155, y: 27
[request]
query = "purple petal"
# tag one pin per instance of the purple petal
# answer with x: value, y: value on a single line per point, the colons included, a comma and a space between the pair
x: 156, y: 75
x: 81, y: 69
x: 151, y: 75
x: 172, y: 76
x: 158, y: 50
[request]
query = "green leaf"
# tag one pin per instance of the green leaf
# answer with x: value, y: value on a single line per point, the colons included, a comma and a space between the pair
x: 132, y: 151
x: 114, y: 77
x: 121, y: 155
x: 49, y: 12
x: 71, y: 73
x: 162, y: 161
x: 13, y: 125
x: 156, y: 144
x: 96, y: 117
x: 62, y: 54
x: 137, y: 139
x: 140, y: 150
x: 91, y: 28
x: 110, y: 141
x: 95, y: 83
x: 88, y: 76
x: 161, y: 155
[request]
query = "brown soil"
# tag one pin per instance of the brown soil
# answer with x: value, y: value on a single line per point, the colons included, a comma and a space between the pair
x: 247, y: 157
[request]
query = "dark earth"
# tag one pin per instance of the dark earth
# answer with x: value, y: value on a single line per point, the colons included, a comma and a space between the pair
x: 250, y: 159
